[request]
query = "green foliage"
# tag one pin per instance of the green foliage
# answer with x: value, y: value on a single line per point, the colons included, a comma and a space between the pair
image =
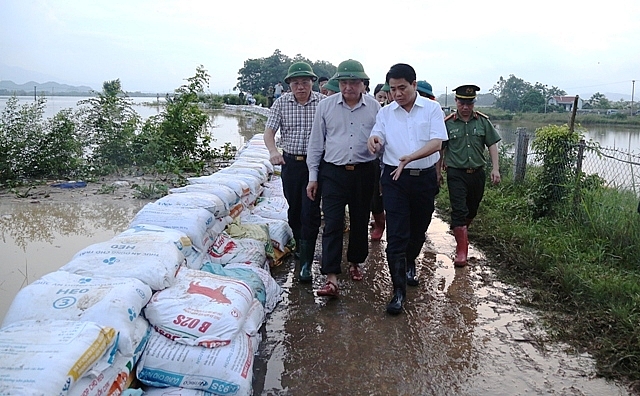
x: 515, y: 94
x: 599, y: 101
x: 257, y: 75
x: 556, y: 150
x: 109, y: 124
x: 152, y: 191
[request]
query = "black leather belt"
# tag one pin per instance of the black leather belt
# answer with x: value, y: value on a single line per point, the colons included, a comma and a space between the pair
x: 414, y: 171
x: 295, y: 157
x: 350, y: 167
x: 469, y: 170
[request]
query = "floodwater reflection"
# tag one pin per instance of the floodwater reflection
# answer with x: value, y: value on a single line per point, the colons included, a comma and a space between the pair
x: 38, y: 238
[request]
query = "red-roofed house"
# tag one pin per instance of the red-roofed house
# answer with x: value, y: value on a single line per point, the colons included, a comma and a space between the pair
x: 565, y: 101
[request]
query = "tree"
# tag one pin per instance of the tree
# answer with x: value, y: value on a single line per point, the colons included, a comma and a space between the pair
x: 259, y: 74
x: 599, y: 101
x: 532, y: 102
x: 509, y: 93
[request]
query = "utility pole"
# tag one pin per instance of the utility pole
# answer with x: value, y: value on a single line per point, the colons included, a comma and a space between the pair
x: 633, y: 88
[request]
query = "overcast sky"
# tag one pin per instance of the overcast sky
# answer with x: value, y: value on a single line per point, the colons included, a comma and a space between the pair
x: 153, y: 46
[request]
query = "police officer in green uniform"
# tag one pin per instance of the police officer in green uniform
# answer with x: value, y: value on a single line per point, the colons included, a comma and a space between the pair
x: 469, y: 133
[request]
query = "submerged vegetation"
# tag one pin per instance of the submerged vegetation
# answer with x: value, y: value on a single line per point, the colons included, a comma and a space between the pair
x: 106, y: 136
x: 574, y: 244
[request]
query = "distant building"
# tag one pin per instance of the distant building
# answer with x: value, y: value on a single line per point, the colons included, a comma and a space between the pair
x: 565, y: 101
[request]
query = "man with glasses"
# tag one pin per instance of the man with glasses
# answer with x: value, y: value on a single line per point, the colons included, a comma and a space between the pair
x: 292, y: 114
x: 341, y: 164
x: 469, y: 133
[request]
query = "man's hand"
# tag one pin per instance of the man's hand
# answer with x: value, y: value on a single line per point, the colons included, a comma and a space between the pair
x: 276, y: 158
x: 312, y: 189
x: 495, y: 176
x: 404, y: 160
x: 374, y: 144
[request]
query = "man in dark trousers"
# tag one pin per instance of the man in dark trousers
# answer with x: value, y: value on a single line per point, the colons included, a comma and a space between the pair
x: 292, y: 114
x: 340, y: 163
x: 469, y: 133
x: 409, y: 132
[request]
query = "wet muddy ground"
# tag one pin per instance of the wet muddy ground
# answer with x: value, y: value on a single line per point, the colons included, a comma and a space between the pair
x: 462, y: 332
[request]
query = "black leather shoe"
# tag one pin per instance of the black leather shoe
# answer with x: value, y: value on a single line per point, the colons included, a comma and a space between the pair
x: 412, y: 279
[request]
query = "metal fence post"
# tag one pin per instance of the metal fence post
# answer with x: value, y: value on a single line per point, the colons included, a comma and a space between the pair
x: 522, y: 149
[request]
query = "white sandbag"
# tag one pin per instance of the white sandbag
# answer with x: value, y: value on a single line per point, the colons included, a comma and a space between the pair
x: 260, y: 232
x: 280, y: 232
x: 273, y: 188
x: 226, y: 370
x: 272, y: 288
x: 47, y: 357
x: 228, y: 196
x: 114, y: 379
x: 210, y: 202
x: 109, y: 302
x: 201, y: 309
x: 233, y: 170
x: 239, y: 187
x: 271, y: 208
x: 226, y: 249
x: 195, y: 222
x: 247, y: 157
x: 162, y: 235
x: 253, y: 182
x: 154, y: 263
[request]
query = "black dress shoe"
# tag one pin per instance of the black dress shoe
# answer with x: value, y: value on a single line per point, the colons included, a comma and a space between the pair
x: 395, y: 305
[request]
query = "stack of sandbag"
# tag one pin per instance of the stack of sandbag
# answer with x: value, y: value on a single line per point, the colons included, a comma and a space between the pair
x: 114, y: 303
x: 50, y: 357
x: 206, y: 333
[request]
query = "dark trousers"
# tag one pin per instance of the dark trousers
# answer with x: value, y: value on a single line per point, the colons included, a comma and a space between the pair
x: 341, y: 187
x: 377, y: 205
x: 409, y: 205
x: 304, y: 214
x: 465, y: 193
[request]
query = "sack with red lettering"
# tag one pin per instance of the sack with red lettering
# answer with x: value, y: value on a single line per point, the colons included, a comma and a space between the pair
x: 111, y: 302
x: 201, y: 308
x: 227, y: 370
x: 226, y: 249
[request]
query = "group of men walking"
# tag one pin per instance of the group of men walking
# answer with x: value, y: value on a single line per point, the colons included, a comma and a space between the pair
x: 335, y: 149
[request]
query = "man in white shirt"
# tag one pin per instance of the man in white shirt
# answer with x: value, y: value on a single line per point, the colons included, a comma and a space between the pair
x: 409, y: 132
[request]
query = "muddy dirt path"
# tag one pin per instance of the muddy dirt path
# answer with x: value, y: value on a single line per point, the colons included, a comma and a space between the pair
x: 462, y: 333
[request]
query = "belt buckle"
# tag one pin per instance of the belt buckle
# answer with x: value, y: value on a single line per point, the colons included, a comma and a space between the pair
x: 414, y: 172
x: 299, y: 158
x: 470, y: 170
x: 349, y: 167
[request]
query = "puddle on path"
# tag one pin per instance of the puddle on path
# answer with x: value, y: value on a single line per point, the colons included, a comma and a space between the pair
x: 462, y: 332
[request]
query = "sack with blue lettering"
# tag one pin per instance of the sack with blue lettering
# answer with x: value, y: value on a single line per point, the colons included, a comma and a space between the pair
x: 226, y: 370
x: 153, y: 262
x: 61, y: 295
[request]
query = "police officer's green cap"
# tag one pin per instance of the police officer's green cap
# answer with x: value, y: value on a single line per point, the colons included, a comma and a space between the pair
x: 350, y: 70
x: 300, y: 69
x: 425, y: 88
x: 466, y: 92
x: 385, y: 88
x: 332, y: 85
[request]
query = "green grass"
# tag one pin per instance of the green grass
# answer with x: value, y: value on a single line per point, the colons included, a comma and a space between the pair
x: 582, y: 266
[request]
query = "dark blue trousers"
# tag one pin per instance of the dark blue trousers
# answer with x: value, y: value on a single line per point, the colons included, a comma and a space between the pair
x: 409, y: 205
x: 304, y: 214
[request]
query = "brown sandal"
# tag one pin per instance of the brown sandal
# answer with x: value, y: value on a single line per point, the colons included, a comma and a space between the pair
x: 355, y: 273
x: 329, y: 289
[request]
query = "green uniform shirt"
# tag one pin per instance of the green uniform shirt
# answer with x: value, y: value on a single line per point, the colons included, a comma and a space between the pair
x: 467, y: 140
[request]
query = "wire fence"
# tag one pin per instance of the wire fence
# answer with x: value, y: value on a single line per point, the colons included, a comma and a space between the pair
x: 620, y: 169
